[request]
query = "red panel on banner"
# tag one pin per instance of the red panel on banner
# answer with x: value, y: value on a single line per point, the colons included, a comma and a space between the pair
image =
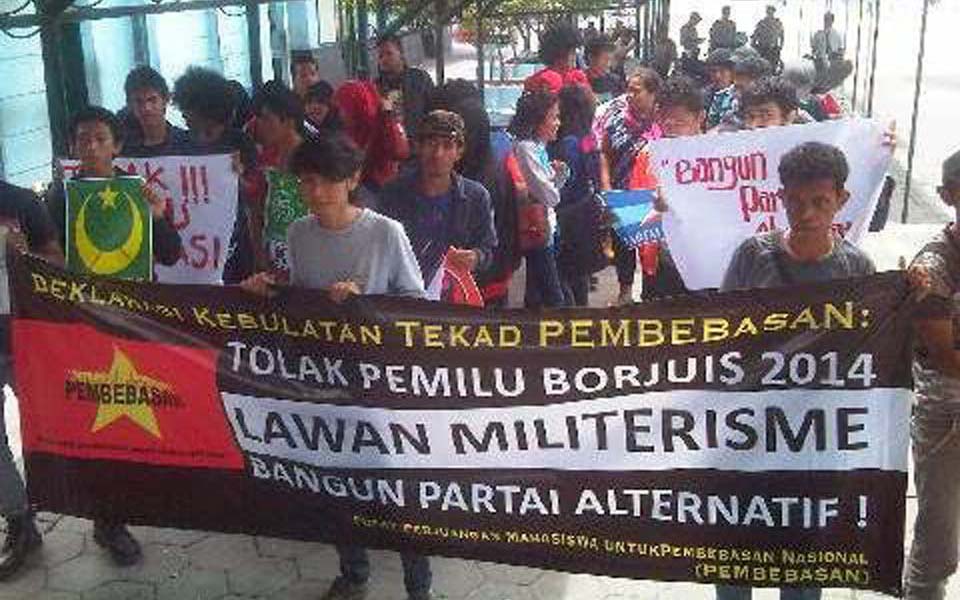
x: 99, y: 396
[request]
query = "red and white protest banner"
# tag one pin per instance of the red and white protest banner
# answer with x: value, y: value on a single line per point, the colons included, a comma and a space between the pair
x: 201, y: 197
x: 724, y: 188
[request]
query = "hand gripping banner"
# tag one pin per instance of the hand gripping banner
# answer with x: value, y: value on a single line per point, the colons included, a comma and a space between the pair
x: 753, y: 438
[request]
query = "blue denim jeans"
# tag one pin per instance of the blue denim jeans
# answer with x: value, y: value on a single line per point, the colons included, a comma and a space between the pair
x: 734, y: 592
x: 543, y: 279
x: 417, y: 578
x: 936, y: 455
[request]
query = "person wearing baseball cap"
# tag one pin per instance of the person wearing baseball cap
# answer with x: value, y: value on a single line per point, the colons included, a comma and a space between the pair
x: 444, y: 213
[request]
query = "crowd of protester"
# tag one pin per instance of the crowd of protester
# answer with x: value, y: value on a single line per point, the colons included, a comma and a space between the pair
x: 401, y: 179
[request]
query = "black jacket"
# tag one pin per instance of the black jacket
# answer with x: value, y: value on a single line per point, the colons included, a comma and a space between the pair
x: 166, y: 240
x: 471, y: 220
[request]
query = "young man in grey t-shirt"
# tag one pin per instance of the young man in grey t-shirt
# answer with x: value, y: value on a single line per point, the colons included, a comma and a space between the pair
x: 813, y: 177
x: 348, y: 251
x: 810, y: 251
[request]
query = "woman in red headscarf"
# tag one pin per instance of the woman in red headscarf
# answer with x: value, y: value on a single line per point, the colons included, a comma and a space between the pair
x: 375, y: 127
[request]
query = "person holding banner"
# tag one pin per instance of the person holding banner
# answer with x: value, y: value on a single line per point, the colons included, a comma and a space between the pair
x: 936, y: 415
x: 625, y: 127
x: 488, y: 159
x: 448, y: 218
x: 96, y: 139
x: 347, y: 250
x: 814, y: 179
x: 24, y: 226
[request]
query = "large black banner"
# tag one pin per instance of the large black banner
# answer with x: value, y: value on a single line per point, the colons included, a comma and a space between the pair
x: 753, y: 438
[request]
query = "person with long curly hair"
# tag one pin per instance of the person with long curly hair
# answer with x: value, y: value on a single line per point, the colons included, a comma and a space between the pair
x: 558, y: 50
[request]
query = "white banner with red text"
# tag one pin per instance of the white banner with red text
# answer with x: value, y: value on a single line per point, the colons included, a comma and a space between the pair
x: 724, y: 188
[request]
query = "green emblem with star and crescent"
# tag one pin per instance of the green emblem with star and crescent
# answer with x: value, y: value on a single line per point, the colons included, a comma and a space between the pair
x: 109, y: 228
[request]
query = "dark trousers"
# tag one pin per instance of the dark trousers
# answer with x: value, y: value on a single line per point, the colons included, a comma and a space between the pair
x: 733, y: 592
x: 13, y: 496
x: 576, y: 289
x: 666, y: 282
x: 936, y: 455
x: 625, y: 259
x: 417, y: 578
x: 543, y: 279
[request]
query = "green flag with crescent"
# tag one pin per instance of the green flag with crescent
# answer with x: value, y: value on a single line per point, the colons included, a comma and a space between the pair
x: 109, y: 228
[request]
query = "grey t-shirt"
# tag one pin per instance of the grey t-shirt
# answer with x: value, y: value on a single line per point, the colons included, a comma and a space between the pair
x: 941, y: 259
x: 373, y: 252
x: 762, y: 262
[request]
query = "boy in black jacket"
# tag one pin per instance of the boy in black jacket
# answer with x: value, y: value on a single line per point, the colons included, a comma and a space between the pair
x: 439, y: 208
x: 96, y: 139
